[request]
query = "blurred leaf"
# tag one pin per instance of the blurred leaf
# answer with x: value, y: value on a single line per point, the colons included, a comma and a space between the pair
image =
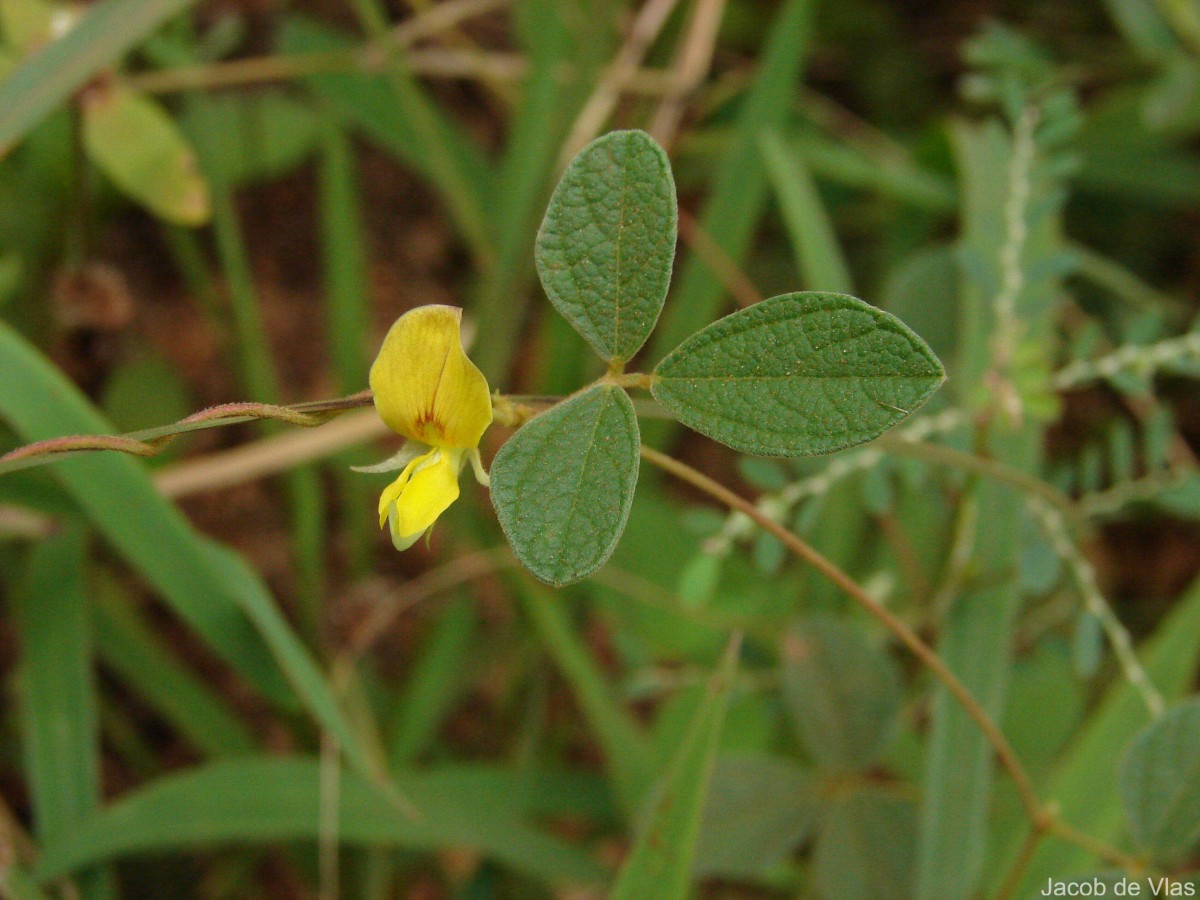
x: 866, y: 848
x: 133, y: 140
x: 1141, y: 24
x: 265, y: 135
x: 1160, y: 781
x: 607, y: 245
x: 562, y: 485
x: 814, y: 241
x: 1184, y: 498
x: 842, y: 692
x: 1045, y: 703
x: 660, y: 863
x: 758, y: 809
x: 59, y: 705
x: 105, y: 32
x: 798, y: 375
x: 11, y: 271
x: 698, y: 579
x: 270, y: 800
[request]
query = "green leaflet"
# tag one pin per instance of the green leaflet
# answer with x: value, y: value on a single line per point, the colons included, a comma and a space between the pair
x: 798, y: 375
x: 606, y: 246
x: 759, y: 808
x: 1160, y: 781
x: 562, y: 485
x: 843, y: 693
x: 140, y: 148
x: 866, y: 848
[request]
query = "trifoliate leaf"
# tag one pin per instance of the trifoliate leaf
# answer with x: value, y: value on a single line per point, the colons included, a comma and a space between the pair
x: 563, y: 484
x: 798, y: 375
x: 606, y: 246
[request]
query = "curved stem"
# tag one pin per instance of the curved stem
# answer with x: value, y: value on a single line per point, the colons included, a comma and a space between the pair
x: 1004, y: 751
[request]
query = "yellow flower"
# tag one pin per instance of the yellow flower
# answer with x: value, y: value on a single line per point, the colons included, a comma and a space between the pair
x: 429, y: 391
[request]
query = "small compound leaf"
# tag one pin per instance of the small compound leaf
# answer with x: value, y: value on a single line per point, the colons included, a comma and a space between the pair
x: 843, y: 693
x: 563, y: 484
x: 133, y: 140
x: 605, y: 249
x: 798, y: 375
x: 1160, y: 781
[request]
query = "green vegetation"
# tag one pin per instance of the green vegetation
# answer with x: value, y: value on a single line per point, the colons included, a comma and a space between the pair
x: 910, y: 608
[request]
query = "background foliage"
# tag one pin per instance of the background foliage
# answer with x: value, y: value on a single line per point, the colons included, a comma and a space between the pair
x: 221, y: 681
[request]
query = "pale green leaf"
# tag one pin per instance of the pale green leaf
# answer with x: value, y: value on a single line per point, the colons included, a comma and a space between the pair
x: 1160, y: 781
x: 133, y: 140
x: 607, y: 244
x: 562, y: 485
x: 843, y: 693
x: 798, y: 375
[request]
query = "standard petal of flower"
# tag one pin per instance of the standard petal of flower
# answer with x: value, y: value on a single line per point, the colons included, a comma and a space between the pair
x: 430, y: 489
x: 425, y: 386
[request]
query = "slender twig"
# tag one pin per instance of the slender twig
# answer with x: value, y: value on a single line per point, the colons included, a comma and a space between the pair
x: 1004, y: 752
x: 692, y: 63
x: 1084, y: 575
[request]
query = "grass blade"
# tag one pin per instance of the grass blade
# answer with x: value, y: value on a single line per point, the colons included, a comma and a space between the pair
x: 276, y: 799
x: 59, y: 718
x: 660, y: 865
x: 207, y: 585
x: 814, y: 242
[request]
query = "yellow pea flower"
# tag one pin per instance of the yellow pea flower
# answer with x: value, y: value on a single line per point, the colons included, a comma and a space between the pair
x: 429, y: 391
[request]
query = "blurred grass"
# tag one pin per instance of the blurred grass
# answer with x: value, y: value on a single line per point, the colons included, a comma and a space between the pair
x: 549, y: 739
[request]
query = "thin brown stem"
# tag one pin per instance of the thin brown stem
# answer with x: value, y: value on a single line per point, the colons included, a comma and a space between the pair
x: 728, y: 272
x: 1012, y: 878
x: 1004, y: 751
